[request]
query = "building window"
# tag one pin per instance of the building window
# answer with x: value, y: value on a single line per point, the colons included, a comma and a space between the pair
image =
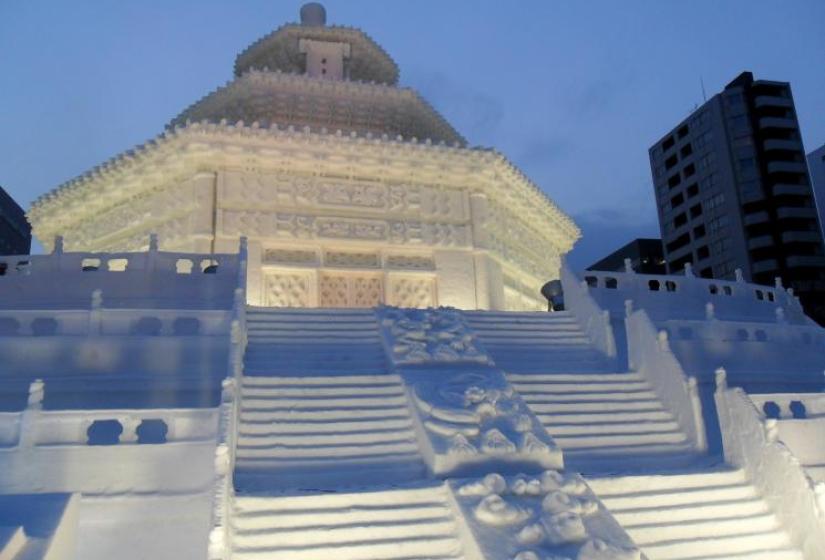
x: 695, y: 211
x: 668, y: 143
x: 677, y: 200
x: 671, y: 161
x: 680, y: 220
x: 674, y: 181
x: 689, y: 171
x: 686, y: 150
x: 699, y: 232
x: 683, y: 131
x: 692, y: 190
x: 702, y: 253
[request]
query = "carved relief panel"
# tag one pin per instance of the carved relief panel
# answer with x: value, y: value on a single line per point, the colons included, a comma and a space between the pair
x: 350, y: 290
x: 287, y: 289
x: 411, y: 291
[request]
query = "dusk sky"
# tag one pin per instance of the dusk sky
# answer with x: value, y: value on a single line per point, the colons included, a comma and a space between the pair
x: 573, y: 93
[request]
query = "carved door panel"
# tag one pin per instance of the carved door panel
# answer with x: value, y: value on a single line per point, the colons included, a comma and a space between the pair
x: 287, y: 290
x: 350, y: 290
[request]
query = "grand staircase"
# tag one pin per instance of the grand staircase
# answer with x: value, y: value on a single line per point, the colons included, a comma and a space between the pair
x: 313, y: 342
x: 713, y: 514
x: 676, y: 503
x: 528, y: 341
x: 324, y: 431
x: 604, y: 421
x: 399, y: 524
x: 319, y: 409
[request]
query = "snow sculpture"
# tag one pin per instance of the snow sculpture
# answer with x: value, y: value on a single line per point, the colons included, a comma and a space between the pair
x: 419, y: 336
x: 551, y: 515
x: 475, y: 418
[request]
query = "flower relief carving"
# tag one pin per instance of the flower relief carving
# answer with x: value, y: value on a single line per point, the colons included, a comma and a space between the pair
x: 552, y: 515
x: 429, y: 335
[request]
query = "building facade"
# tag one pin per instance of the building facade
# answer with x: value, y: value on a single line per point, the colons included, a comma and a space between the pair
x: 353, y: 191
x: 733, y: 192
x: 816, y: 165
x: 15, y: 231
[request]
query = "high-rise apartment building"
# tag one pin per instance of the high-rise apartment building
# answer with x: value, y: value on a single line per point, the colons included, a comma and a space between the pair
x: 816, y: 165
x: 15, y: 231
x: 733, y: 191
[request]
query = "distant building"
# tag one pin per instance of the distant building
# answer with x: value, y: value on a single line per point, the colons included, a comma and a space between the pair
x: 15, y: 231
x: 646, y: 257
x: 816, y: 165
x: 733, y: 191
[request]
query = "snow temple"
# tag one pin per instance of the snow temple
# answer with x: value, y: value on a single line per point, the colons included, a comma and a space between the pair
x: 307, y: 335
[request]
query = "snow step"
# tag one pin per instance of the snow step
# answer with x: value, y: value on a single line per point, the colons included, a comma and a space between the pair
x: 394, y: 524
x: 699, y: 515
x: 315, y: 432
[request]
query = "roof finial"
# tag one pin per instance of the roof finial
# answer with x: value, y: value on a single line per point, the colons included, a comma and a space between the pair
x: 314, y: 14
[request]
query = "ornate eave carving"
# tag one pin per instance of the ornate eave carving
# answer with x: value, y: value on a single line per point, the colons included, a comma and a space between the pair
x: 181, y: 152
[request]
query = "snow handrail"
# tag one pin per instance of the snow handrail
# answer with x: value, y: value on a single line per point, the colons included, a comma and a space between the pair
x: 220, y: 535
x: 649, y: 353
x: 593, y: 319
x: 750, y: 443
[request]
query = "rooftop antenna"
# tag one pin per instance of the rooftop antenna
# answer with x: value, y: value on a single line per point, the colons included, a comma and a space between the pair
x: 704, y: 95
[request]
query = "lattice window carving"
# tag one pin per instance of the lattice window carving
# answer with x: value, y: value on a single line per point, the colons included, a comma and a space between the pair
x: 287, y: 290
x: 367, y: 292
x: 416, y: 292
x: 346, y: 290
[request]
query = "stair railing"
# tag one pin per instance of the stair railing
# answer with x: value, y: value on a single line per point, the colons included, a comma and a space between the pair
x: 220, y: 536
x: 751, y: 443
x: 649, y: 353
x: 594, y: 320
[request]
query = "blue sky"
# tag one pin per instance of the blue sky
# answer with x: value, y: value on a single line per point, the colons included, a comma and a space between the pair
x: 572, y: 92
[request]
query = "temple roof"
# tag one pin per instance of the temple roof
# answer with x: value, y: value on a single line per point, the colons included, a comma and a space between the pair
x: 280, y: 50
x: 292, y: 99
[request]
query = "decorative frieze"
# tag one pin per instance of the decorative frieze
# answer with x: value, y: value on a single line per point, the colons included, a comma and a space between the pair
x: 290, y: 256
x: 235, y: 223
x: 351, y: 259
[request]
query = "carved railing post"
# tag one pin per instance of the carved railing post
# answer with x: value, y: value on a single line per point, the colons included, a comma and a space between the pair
x: 721, y: 378
x: 130, y: 425
x: 692, y: 386
x: 95, y: 313
x: 151, y: 255
x: 610, y: 339
x: 710, y: 311
x: 34, y: 405
x: 628, y: 267
x: 662, y: 338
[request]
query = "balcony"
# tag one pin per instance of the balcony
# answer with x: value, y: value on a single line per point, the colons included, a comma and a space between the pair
x: 772, y: 101
x: 772, y: 144
x: 785, y: 189
x: 756, y: 218
x: 760, y: 242
x: 786, y: 167
x: 785, y: 213
x: 801, y: 237
x: 760, y: 267
x: 776, y: 122
x: 805, y: 261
